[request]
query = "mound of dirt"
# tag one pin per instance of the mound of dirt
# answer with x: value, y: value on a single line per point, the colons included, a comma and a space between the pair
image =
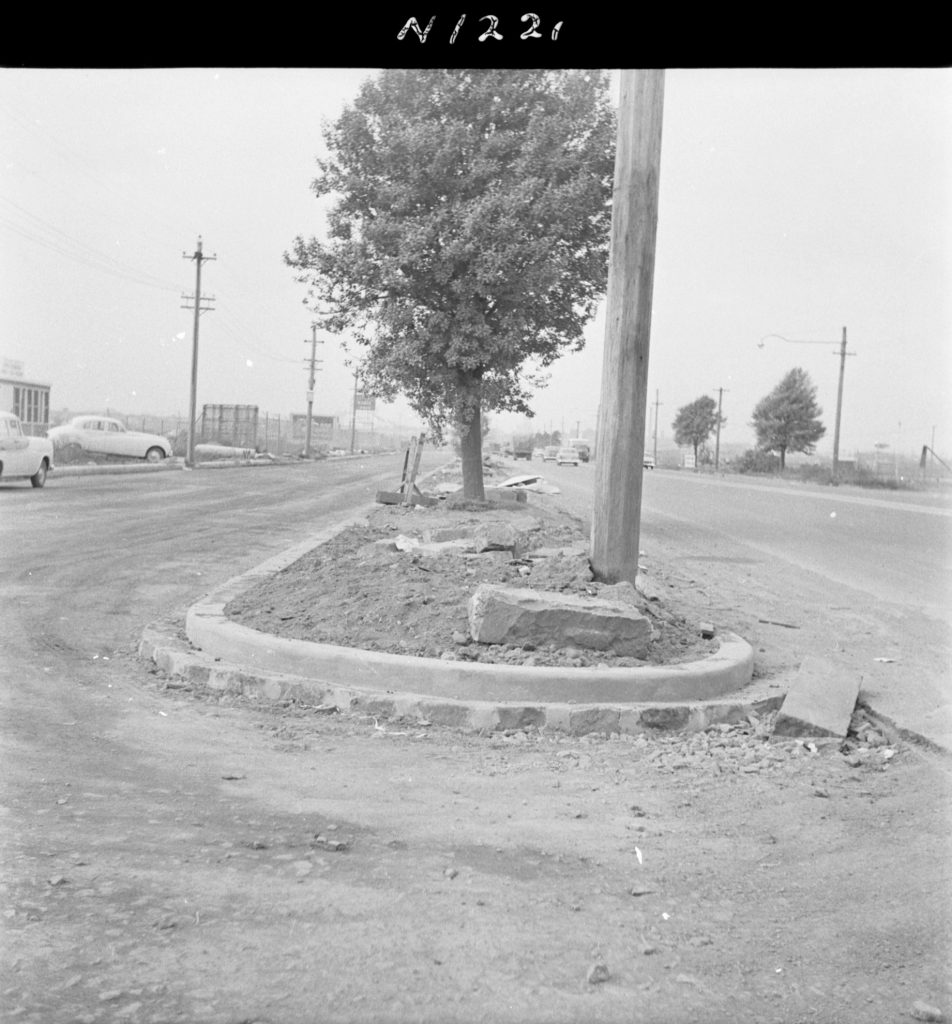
x: 401, y: 584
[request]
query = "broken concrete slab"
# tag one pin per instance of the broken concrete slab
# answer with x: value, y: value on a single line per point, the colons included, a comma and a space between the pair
x: 505, y: 494
x: 414, y: 544
x: 520, y: 481
x: 517, y: 615
x: 648, y: 588
x: 623, y: 591
x: 499, y: 536
x: 820, y: 701
x: 444, y: 533
x: 399, y: 498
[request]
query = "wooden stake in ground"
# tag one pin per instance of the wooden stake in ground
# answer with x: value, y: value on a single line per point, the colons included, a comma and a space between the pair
x: 616, y: 515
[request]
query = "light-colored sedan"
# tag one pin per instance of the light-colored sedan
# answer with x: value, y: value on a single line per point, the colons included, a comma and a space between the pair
x: 100, y: 435
x: 567, y: 457
x: 23, y: 457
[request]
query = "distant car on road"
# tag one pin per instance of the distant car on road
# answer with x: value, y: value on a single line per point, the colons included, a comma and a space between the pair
x: 23, y: 457
x: 550, y: 454
x: 649, y: 462
x: 100, y: 435
x: 521, y: 452
x: 538, y: 453
x: 567, y: 457
x: 582, y: 447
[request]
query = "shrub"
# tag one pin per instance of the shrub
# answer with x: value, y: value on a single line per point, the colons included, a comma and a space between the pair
x: 756, y: 460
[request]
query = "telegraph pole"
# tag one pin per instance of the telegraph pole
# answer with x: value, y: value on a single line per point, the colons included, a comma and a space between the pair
x: 839, y: 407
x: 197, y: 299
x: 619, y: 469
x: 310, y: 390
x: 353, y: 417
x: 717, y: 436
x: 655, y: 449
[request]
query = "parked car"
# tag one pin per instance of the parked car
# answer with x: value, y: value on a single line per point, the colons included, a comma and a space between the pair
x: 550, y: 454
x: 100, y: 435
x: 567, y: 457
x: 649, y: 462
x: 523, y: 453
x: 23, y: 457
x: 538, y: 453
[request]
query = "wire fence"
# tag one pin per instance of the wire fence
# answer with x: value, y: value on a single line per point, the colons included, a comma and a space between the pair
x: 273, y: 433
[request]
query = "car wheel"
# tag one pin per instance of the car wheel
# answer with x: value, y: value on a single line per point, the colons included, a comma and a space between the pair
x: 39, y: 477
x: 154, y: 455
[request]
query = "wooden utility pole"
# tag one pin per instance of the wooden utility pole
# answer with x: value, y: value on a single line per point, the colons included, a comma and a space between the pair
x: 310, y: 391
x: 717, y: 442
x: 353, y: 417
x: 839, y: 407
x: 197, y: 299
x: 655, y: 449
x: 616, y: 514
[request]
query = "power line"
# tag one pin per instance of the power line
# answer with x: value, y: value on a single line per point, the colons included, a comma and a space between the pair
x: 84, y: 254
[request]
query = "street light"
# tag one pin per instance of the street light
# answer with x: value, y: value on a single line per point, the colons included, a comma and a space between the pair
x: 839, y: 390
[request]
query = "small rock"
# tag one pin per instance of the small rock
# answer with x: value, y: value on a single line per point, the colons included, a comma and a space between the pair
x: 451, y: 873
x: 459, y: 637
x: 110, y: 995
x: 597, y: 974
x: 923, y: 1011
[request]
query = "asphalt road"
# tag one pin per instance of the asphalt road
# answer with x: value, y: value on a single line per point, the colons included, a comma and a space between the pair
x: 879, y: 559
x: 86, y: 562
x: 149, y: 839
x: 894, y: 546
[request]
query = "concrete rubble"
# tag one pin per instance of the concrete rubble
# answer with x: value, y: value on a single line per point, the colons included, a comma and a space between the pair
x: 820, y: 702
x: 512, y: 615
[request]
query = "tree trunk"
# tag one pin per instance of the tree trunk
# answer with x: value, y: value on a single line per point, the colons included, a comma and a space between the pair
x: 783, y: 459
x: 471, y: 452
x: 696, y: 464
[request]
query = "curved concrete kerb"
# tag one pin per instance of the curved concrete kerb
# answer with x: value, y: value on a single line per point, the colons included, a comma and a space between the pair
x: 726, y: 671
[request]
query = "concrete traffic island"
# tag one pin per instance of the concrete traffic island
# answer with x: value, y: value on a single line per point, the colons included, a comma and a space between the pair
x: 226, y: 656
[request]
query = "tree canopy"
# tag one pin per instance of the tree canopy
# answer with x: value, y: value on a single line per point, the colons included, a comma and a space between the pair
x: 695, y: 422
x: 467, y: 243
x: 788, y: 419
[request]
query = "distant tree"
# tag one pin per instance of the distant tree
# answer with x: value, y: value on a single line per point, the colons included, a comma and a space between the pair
x: 547, y: 439
x: 695, y: 423
x: 468, y: 244
x: 788, y: 419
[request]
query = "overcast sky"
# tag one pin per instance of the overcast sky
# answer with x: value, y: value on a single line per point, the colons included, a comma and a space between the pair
x: 793, y: 203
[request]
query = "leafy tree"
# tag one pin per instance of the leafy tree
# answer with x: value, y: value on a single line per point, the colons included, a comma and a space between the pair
x: 547, y: 439
x: 695, y: 423
x: 468, y: 241
x: 788, y: 419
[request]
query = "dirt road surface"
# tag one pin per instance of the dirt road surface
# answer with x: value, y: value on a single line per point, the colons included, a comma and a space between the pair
x: 172, y: 857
